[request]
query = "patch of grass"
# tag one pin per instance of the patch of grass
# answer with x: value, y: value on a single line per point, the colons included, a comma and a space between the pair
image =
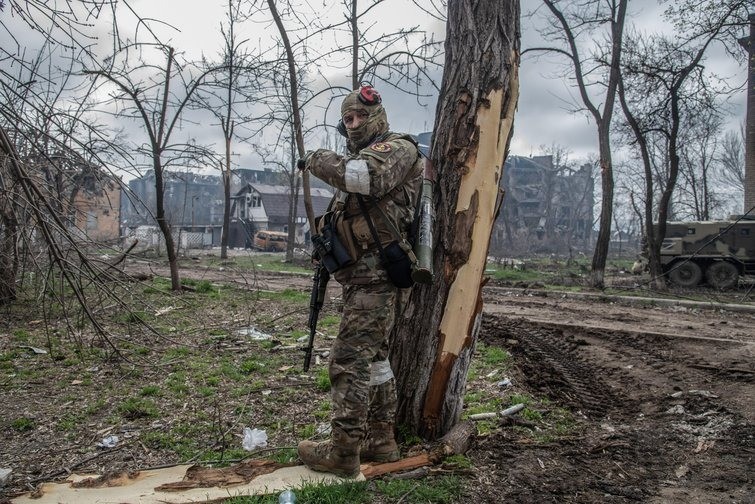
x: 230, y: 371
x: 488, y: 406
x: 349, y: 492
x: 555, y: 423
x: 284, y: 455
x: 21, y: 335
x: 290, y: 295
x: 516, y: 275
x: 207, y: 391
x: 200, y: 286
x: 135, y: 316
x: 93, y: 408
x: 142, y: 350
x: 176, y: 353
x: 250, y: 366
x: 459, y: 461
x: 217, y: 456
x: 149, y: 390
x: 443, y: 490
x: 323, y: 410
x: 329, y: 322
x: 135, y: 407
x: 177, y: 383
x: 407, y: 437
x: 520, y: 399
x: 69, y: 422
x: 308, y: 431
x: 322, y: 380
x: 22, y: 424
x: 495, y: 356
x: 182, y: 446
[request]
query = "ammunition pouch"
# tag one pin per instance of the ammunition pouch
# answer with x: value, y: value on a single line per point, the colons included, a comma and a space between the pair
x: 398, y: 260
x: 328, y: 248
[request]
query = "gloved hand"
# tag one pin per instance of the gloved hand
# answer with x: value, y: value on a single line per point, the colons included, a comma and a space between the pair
x: 301, y: 163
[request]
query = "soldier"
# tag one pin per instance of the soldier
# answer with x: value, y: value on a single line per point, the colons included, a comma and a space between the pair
x: 385, y: 171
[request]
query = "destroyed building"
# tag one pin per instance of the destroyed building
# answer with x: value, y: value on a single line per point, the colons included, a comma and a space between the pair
x: 194, y: 207
x: 546, y: 208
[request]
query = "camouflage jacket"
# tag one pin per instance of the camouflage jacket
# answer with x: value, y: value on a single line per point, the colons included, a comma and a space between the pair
x: 388, y: 175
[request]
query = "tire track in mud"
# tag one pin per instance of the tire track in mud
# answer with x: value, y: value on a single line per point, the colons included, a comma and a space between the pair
x: 663, y: 423
x: 554, y: 364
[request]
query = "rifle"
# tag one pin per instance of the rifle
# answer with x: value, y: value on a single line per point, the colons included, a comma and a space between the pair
x: 316, y: 299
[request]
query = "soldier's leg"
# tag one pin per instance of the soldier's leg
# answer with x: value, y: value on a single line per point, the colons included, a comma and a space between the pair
x: 380, y: 444
x: 367, y: 317
x: 365, y: 325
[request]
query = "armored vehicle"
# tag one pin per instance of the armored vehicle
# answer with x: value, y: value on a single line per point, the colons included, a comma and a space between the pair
x: 717, y: 251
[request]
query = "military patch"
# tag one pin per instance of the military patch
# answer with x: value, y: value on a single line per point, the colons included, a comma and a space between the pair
x: 381, y: 147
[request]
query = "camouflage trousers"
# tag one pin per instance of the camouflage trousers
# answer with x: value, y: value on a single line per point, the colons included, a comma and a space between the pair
x: 359, y: 353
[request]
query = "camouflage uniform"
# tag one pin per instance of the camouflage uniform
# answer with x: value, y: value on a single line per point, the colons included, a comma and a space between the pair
x: 386, y: 172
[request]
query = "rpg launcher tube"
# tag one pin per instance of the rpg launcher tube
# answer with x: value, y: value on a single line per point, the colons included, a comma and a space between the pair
x: 423, y: 246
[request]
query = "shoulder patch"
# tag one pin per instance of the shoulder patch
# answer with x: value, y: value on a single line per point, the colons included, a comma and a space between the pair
x: 381, y: 147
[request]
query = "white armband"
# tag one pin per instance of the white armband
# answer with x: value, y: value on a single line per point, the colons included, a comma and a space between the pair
x: 380, y: 372
x: 357, y: 177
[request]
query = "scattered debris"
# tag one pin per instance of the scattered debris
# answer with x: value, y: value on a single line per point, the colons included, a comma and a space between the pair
x: 513, y: 410
x: 704, y: 393
x: 108, y: 442
x: 483, y: 416
x: 681, y: 471
x: 5, y: 473
x: 163, y: 311
x: 36, y: 350
x: 676, y: 410
x: 505, y: 383
x: 253, y: 439
x: 253, y: 333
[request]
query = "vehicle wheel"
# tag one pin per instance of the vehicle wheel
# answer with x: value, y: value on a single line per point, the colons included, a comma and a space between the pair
x: 686, y: 274
x: 722, y: 275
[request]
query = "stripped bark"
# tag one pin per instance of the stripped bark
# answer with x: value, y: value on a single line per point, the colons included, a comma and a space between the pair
x: 474, y: 121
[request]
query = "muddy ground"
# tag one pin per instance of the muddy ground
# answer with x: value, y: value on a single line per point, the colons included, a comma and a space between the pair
x: 665, y: 398
x: 662, y: 398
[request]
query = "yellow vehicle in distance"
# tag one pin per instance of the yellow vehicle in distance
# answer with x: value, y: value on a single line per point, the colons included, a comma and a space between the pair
x: 270, y: 241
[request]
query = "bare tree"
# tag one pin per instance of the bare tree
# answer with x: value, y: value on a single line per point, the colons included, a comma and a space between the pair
x: 150, y: 101
x: 404, y: 59
x: 436, y: 338
x: 228, y: 96
x: 572, y: 22
x: 660, y: 88
x: 699, y: 149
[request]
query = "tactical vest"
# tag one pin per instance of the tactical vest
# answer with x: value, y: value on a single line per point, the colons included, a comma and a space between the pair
x: 391, y: 215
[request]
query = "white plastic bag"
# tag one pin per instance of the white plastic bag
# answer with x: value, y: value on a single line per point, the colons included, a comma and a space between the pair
x: 253, y: 439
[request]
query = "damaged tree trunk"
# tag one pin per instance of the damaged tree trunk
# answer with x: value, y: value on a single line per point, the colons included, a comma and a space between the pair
x: 473, y: 126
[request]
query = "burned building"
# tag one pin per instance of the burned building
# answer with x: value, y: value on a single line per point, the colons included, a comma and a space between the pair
x: 546, y: 208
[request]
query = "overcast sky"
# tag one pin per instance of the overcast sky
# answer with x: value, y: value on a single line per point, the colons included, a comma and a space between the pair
x: 546, y: 99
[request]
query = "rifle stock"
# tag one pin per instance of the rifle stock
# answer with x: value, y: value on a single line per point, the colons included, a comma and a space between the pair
x: 316, y: 300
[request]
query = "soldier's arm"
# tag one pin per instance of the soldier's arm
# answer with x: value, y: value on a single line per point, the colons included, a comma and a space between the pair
x: 373, y: 172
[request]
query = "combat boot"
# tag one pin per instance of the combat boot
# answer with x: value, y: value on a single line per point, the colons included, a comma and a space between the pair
x: 380, y: 445
x: 339, y: 459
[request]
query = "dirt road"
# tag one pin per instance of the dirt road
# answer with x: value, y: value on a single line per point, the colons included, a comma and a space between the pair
x: 665, y: 399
